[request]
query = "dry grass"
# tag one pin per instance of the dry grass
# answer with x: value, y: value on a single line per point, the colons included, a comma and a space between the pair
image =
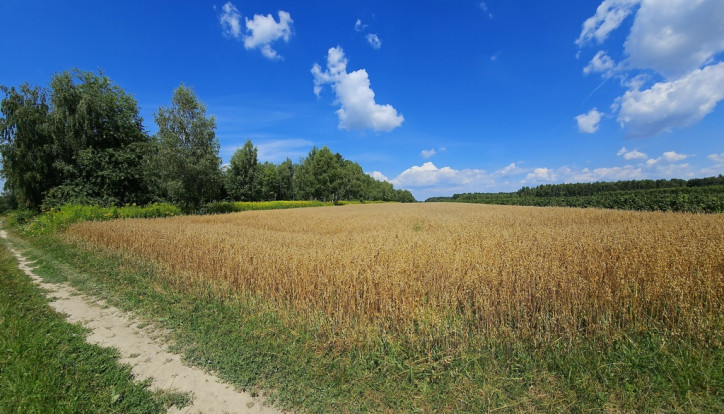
x: 528, y: 272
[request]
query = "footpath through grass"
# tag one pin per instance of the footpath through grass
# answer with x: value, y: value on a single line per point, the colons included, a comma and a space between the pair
x: 259, y: 346
x: 47, y: 367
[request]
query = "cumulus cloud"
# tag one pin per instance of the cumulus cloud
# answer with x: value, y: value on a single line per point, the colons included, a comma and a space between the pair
x: 428, y: 174
x: 668, y: 105
x: 428, y: 153
x: 667, y: 157
x: 230, y: 20
x: 378, y: 176
x: 261, y: 31
x: 679, y: 40
x: 601, y: 63
x: 674, y: 37
x: 264, y: 30
x: 609, y: 16
x: 374, y: 40
x: 588, y: 123
x: 672, y: 156
x: 540, y: 175
x: 428, y: 180
x: 510, y: 169
x: 358, y: 109
x: 631, y: 155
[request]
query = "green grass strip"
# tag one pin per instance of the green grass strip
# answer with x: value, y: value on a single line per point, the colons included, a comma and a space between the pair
x: 47, y: 367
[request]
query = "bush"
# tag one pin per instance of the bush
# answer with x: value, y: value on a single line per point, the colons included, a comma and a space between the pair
x: 222, y: 207
x: 59, y: 218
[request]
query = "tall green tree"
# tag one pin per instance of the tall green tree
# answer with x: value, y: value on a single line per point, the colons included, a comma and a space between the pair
x: 99, y: 140
x: 83, y: 141
x: 285, y: 173
x: 269, y: 182
x: 243, y: 177
x: 187, y: 152
x: 326, y: 171
x: 26, y: 145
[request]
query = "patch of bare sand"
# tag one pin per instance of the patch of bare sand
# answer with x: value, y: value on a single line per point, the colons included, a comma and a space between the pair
x: 143, y: 351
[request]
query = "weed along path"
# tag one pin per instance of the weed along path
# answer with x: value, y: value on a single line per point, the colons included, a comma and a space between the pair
x: 144, y: 352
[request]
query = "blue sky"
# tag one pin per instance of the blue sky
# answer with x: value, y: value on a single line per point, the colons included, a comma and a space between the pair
x: 438, y: 97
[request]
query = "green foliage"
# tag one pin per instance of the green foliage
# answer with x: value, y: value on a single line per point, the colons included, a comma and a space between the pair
x: 82, y: 141
x: 233, y: 207
x: 321, y: 175
x: 99, y: 140
x: 244, y: 176
x: 27, y: 145
x: 57, y: 219
x: 47, y: 367
x: 187, y: 149
x: 702, y: 195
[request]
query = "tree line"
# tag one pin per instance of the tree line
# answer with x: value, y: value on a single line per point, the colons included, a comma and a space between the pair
x: 82, y: 141
x: 588, y: 189
x: 703, y: 195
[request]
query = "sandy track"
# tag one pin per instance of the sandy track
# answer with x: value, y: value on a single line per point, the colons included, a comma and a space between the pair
x: 145, y: 353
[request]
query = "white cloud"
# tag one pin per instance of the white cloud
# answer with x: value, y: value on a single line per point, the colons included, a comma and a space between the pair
x: 667, y: 157
x: 428, y: 175
x: 427, y: 180
x: 510, y: 169
x: 428, y: 153
x: 631, y: 155
x: 588, y: 123
x: 674, y: 37
x: 358, y: 26
x: 681, y: 40
x: 230, y: 20
x: 609, y: 16
x: 264, y: 30
x: 374, y: 41
x: 717, y: 158
x: 494, y: 57
x: 540, y: 175
x: 378, y: 176
x: 672, y: 156
x: 601, y: 63
x: 669, y: 105
x: 261, y: 31
x: 358, y: 109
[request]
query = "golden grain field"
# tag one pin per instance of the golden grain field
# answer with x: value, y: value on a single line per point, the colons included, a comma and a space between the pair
x: 535, y: 271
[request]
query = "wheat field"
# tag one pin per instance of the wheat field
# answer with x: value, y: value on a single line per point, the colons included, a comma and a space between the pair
x: 521, y: 271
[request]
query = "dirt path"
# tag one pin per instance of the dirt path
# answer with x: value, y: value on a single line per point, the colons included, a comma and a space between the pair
x: 147, y: 356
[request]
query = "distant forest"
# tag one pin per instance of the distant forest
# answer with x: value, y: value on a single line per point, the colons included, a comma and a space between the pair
x: 82, y: 141
x: 704, y: 195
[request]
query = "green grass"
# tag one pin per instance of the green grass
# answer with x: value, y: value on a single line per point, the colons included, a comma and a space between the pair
x: 46, y: 365
x: 261, y: 346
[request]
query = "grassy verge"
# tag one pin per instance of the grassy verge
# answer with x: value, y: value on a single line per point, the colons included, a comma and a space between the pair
x: 57, y: 219
x: 260, y: 346
x: 46, y: 365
